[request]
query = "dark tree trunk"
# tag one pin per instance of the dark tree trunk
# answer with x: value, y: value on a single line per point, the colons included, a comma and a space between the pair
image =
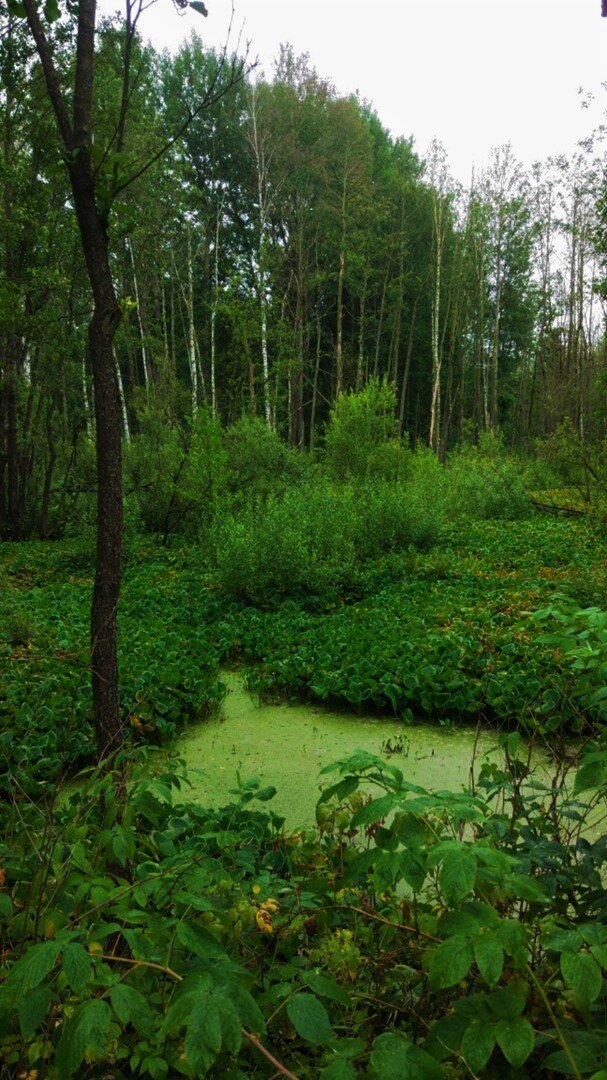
x: 102, y: 327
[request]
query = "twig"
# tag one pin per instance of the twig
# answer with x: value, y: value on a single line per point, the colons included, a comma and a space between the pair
x: 559, y: 1034
x: 179, y: 978
x: 258, y: 1046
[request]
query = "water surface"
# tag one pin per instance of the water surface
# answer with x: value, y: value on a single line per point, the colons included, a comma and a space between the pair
x: 287, y: 746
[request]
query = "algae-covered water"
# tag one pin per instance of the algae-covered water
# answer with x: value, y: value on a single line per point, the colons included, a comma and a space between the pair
x: 288, y: 745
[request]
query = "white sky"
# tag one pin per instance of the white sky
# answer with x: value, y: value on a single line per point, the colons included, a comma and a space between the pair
x: 472, y: 73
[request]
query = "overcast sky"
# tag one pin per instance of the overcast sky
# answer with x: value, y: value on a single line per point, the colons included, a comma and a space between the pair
x: 472, y: 73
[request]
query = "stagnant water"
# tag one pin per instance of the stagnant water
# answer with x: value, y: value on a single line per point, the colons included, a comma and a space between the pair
x: 288, y: 745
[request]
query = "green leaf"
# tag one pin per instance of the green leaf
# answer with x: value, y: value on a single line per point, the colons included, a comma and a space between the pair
x: 310, y: 1019
x: 30, y: 970
x: 52, y: 11
x: 33, y: 1011
x: 489, y: 956
x: 450, y: 963
x: 445, y: 1036
x: 131, y: 1007
x: 6, y: 906
x: 477, y: 1045
x: 198, y: 940
x: 590, y: 776
x: 392, y: 1058
x: 326, y: 987
x: 516, y: 1039
x: 457, y: 875
x: 413, y: 867
x: 600, y: 955
x: 88, y: 1031
x: 203, y: 1035
x: 373, y: 811
x: 77, y: 965
x: 340, y: 1069
x: 526, y: 888
x: 582, y: 973
x: 340, y: 790
x: 511, y: 934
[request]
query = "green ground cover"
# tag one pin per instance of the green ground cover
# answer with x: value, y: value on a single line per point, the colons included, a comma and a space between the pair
x: 450, y: 634
x: 409, y: 935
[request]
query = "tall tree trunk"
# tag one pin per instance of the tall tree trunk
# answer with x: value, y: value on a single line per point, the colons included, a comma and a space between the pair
x: 144, y: 352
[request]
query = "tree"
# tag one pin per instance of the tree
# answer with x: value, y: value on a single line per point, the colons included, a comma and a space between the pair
x: 97, y: 176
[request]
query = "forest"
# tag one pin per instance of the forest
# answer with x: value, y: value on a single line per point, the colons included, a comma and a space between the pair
x: 290, y: 418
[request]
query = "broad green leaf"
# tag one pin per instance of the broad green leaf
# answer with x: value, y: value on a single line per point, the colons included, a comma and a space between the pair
x: 373, y: 811
x: 489, y: 956
x: 131, y: 1007
x: 340, y: 790
x: 247, y: 1008
x: 77, y: 964
x: 198, y: 940
x: 457, y: 875
x: 477, y: 1044
x: 326, y: 987
x: 88, y: 1031
x: 394, y: 1058
x: 340, y: 1069
x: 52, y: 11
x: 33, y: 1011
x: 413, y: 869
x: 445, y: 1036
x: 231, y: 1027
x: 513, y: 937
x: 600, y: 955
x: 6, y: 906
x: 450, y: 963
x: 203, y: 1034
x: 310, y: 1019
x: 30, y: 970
x: 582, y: 973
x: 526, y: 888
x: 516, y: 1039
x: 509, y: 1002
x: 590, y: 776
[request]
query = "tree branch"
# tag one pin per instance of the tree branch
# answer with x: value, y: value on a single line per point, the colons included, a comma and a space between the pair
x: 51, y: 78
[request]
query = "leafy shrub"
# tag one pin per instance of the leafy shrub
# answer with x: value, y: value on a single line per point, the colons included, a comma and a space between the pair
x: 258, y: 462
x: 485, y: 488
x: 413, y: 934
x: 175, y: 473
x: 299, y: 545
x: 393, y: 517
x: 360, y: 438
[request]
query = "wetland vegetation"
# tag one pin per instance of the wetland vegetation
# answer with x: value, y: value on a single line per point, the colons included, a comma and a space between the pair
x: 410, y: 916
x: 331, y: 440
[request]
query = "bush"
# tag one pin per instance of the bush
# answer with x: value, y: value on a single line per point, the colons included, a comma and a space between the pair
x: 258, y: 463
x: 360, y: 438
x: 484, y: 488
x: 175, y: 474
x: 300, y: 545
x: 394, y: 518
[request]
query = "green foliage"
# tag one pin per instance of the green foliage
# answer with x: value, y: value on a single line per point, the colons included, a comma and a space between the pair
x: 258, y: 463
x: 176, y: 472
x: 360, y: 435
x: 168, y: 659
x: 485, y: 486
x: 221, y: 935
x: 299, y: 545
